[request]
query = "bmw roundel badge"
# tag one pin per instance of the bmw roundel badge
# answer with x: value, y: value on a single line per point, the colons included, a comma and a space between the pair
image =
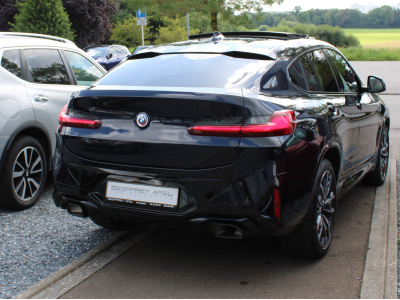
x: 142, y: 120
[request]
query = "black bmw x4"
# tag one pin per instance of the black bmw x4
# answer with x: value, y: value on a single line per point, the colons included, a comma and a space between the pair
x: 239, y: 133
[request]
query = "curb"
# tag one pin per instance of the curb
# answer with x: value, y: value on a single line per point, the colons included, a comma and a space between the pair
x: 39, y: 288
x: 380, y: 273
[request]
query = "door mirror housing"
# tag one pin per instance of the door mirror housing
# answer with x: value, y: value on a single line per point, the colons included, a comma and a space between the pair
x: 109, y: 55
x: 376, y: 84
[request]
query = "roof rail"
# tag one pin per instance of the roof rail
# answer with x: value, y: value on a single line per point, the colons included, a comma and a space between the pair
x: 35, y: 35
x: 252, y: 34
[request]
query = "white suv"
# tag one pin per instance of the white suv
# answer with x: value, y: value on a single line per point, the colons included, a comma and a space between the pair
x: 38, y: 74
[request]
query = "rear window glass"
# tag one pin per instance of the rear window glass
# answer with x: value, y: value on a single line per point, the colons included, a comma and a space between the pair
x: 11, y: 62
x: 323, y: 71
x: 45, y: 66
x: 95, y: 52
x: 187, y: 70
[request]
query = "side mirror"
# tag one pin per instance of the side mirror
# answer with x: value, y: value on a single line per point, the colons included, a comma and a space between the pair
x: 376, y: 84
x: 109, y: 56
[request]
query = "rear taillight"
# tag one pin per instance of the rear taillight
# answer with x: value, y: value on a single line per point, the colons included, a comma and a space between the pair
x: 69, y: 118
x: 281, y: 122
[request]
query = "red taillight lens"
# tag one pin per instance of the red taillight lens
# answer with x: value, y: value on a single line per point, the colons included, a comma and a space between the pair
x: 67, y: 120
x: 277, y: 204
x: 281, y: 122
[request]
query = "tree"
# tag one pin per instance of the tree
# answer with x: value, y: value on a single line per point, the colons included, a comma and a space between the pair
x: 327, y: 19
x: 43, y: 16
x: 316, y: 20
x: 381, y: 17
x: 174, y: 31
x: 90, y: 19
x: 277, y: 20
x: 291, y: 17
x: 263, y: 28
x: 128, y: 33
x: 297, y: 9
x: 303, y: 17
x: 7, y: 12
x: 211, y: 7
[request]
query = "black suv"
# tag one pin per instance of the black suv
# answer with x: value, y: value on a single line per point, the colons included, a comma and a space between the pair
x: 239, y: 133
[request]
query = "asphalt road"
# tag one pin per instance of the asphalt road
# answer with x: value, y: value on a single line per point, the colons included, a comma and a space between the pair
x: 175, y: 263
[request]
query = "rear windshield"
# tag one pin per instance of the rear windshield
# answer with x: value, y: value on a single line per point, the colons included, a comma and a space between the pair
x: 187, y: 70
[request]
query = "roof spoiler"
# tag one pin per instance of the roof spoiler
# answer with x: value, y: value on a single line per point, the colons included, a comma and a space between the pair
x: 35, y: 35
x: 251, y: 34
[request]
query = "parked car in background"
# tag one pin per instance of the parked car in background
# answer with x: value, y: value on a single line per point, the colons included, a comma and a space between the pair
x: 245, y: 133
x: 38, y: 74
x: 108, y: 56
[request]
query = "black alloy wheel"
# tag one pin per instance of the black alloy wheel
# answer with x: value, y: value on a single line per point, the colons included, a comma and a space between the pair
x: 312, y: 238
x: 24, y: 174
x: 378, y: 176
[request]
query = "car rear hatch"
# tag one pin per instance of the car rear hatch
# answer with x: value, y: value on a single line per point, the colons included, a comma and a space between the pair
x: 165, y: 142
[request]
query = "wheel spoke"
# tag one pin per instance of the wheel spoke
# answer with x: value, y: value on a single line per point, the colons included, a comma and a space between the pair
x: 24, y: 189
x: 30, y: 188
x: 37, y: 161
x: 37, y: 185
x: 17, y: 188
x: 18, y: 174
x: 26, y: 157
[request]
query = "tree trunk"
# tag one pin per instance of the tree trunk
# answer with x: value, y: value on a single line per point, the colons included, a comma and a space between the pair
x: 214, y: 22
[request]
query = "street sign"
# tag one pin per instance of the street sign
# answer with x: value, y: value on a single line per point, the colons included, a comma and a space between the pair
x: 141, y: 16
x: 142, y: 21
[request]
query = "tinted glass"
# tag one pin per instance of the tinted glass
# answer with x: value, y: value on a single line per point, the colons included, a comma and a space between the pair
x: 274, y: 80
x: 45, y: 66
x: 113, y: 51
x: 85, y: 71
x: 296, y: 75
x: 120, y: 51
x: 11, y: 61
x: 323, y: 71
x: 187, y: 70
x: 97, y: 52
x: 311, y: 78
x: 348, y: 80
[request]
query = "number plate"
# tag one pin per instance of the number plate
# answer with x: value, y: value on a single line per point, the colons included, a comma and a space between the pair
x: 142, y: 194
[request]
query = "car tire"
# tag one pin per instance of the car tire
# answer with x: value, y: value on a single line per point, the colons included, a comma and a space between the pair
x: 113, y: 224
x: 378, y: 176
x: 312, y: 238
x: 24, y: 173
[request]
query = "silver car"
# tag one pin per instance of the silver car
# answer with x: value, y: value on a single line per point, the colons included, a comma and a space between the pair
x: 38, y: 74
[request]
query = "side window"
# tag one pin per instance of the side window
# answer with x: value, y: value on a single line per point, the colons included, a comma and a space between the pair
x: 296, y: 75
x: 45, y: 66
x: 347, y: 78
x: 113, y: 51
x: 11, y: 61
x: 85, y: 71
x: 323, y: 71
x: 311, y: 78
x: 274, y: 80
x: 120, y: 51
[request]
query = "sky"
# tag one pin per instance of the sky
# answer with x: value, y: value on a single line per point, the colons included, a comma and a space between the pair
x: 288, y: 5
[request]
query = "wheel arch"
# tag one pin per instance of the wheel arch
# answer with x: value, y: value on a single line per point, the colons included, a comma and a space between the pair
x: 333, y: 155
x: 33, y: 130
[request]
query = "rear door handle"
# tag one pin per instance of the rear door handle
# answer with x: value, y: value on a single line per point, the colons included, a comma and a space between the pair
x: 41, y: 98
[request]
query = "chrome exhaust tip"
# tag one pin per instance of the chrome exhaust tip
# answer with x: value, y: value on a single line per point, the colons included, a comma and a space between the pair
x: 76, y: 210
x: 228, y: 231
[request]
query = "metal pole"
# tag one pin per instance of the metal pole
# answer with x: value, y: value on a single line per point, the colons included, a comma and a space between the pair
x: 142, y: 36
x: 187, y: 25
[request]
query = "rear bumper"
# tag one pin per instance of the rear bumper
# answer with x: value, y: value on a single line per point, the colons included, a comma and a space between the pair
x: 207, y: 197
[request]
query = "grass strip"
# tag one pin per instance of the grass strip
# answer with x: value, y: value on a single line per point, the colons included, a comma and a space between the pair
x: 371, y: 54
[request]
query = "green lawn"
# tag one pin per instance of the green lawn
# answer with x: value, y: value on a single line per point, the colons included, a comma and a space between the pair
x: 375, y: 36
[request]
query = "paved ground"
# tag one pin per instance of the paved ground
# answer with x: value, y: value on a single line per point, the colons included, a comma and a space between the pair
x: 174, y: 263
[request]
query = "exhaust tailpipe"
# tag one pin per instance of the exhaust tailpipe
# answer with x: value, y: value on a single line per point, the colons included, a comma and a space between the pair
x: 76, y: 210
x: 228, y: 231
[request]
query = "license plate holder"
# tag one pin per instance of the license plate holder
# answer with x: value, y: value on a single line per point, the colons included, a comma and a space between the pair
x: 141, y: 194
